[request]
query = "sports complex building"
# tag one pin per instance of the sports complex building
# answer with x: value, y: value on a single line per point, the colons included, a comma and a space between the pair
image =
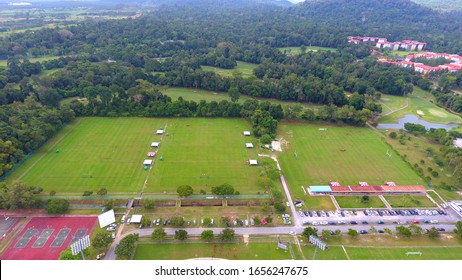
x: 389, y: 188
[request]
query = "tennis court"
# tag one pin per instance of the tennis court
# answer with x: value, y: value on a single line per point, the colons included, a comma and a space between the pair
x: 44, y: 238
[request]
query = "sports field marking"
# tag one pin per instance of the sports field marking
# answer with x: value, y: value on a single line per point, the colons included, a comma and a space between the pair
x: 6, y: 224
x: 42, y: 239
x: 61, y: 237
x: 49, y: 150
x: 25, y: 239
x: 344, y: 250
x: 79, y: 234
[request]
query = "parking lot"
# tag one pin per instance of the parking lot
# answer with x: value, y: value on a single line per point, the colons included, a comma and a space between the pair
x: 377, y: 216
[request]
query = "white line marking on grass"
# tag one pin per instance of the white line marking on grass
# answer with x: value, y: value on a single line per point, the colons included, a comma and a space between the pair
x: 49, y: 150
x: 344, y: 250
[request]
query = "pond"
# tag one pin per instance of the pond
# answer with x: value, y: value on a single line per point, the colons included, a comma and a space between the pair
x: 415, y: 119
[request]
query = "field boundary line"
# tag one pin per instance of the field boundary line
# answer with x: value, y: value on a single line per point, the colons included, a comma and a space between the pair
x: 49, y: 150
x: 344, y: 250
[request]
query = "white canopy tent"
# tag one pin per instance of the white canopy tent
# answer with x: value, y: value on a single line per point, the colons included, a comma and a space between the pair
x: 147, y: 162
x: 160, y: 131
x: 253, y: 162
x: 246, y: 133
x: 248, y: 145
x: 155, y: 144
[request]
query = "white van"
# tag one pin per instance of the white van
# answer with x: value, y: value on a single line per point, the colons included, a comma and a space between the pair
x: 211, y: 222
x: 123, y: 219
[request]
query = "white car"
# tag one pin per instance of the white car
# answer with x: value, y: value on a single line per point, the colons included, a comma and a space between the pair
x: 341, y: 222
x: 433, y: 222
x: 287, y: 204
x: 113, y: 235
x: 315, y: 223
x: 323, y: 223
x: 292, y: 233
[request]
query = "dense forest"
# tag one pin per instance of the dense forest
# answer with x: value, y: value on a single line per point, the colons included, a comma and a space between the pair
x: 119, y: 67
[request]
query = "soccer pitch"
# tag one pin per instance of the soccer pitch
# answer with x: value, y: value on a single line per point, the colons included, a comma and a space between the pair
x: 344, y: 154
x: 204, y: 153
x: 93, y: 153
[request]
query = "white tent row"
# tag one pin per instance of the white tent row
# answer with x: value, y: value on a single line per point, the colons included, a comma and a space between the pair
x: 253, y: 162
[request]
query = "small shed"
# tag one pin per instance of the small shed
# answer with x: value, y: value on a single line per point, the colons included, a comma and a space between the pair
x: 160, y: 132
x: 136, y: 219
x: 253, y: 162
x: 151, y: 154
x: 249, y: 145
x: 246, y: 133
x: 147, y: 162
x: 155, y: 144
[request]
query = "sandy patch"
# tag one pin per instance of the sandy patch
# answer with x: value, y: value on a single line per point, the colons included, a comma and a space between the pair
x: 438, y: 113
x: 276, y: 145
x: 420, y: 113
x: 246, y: 239
x: 385, y: 99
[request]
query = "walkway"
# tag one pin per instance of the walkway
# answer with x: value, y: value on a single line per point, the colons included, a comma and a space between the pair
x: 385, y: 202
x: 295, y: 216
x: 393, y: 111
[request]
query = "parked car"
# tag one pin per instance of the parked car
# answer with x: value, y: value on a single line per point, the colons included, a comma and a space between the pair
x: 364, y: 222
x: 354, y: 222
x: 380, y: 222
x: 363, y: 231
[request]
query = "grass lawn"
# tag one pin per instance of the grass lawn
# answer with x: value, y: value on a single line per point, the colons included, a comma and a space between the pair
x: 409, y: 201
x: 297, y: 50
x: 246, y: 69
x: 419, y: 100
x: 239, y: 251
x: 205, y: 153
x: 414, y: 150
x: 3, y: 62
x: 198, y: 94
x: 355, y: 202
x: 437, y: 253
x: 94, y: 153
x: 332, y: 253
x: 391, y: 102
x: 320, y: 159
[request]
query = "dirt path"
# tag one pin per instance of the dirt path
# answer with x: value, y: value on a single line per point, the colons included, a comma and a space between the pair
x: 393, y: 111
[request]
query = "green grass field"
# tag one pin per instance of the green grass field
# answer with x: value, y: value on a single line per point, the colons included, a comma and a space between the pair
x: 198, y: 94
x: 355, y: 202
x: 368, y: 253
x: 297, y: 50
x: 94, y: 153
x: 320, y: 159
x: 238, y: 251
x: 213, y: 149
x: 246, y: 69
x: 3, y: 62
x: 409, y: 201
x: 420, y: 100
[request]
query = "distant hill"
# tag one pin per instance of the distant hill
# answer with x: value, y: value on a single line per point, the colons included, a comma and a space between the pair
x: 443, y: 5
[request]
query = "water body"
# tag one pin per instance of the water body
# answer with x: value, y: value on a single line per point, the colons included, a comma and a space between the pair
x: 415, y: 119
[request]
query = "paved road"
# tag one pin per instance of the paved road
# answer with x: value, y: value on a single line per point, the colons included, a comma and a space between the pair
x: 264, y: 231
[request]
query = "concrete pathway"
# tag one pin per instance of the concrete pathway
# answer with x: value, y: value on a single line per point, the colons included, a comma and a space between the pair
x: 385, y: 202
x: 334, y: 201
